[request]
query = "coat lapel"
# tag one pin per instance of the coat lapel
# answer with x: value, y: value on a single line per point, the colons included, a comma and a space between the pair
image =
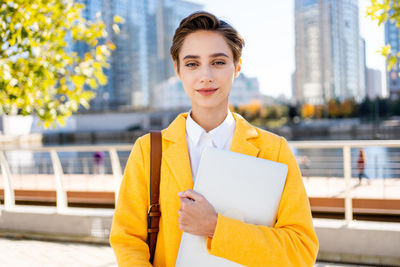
x: 243, y: 133
x: 175, y: 152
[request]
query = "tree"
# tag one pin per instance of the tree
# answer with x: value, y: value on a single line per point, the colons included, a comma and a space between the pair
x: 307, y: 111
x: 348, y: 108
x: 334, y: 108
x: 251, y: 110
x: 274, y: 112
x: 319, y: 111
x: 382, y: 11
x: 383, y: 107
x: 292, y: 112
x: 395, y: 107
x: 39, y: 74
x: 366, y: 108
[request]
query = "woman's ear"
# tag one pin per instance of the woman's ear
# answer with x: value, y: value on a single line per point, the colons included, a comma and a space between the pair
x: 238, y: 68
x: 176, y: 69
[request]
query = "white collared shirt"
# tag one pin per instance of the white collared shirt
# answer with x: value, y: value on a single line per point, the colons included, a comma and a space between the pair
x: 197, y: 139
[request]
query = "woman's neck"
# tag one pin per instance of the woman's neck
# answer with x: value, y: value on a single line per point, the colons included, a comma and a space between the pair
x: 208, y: 118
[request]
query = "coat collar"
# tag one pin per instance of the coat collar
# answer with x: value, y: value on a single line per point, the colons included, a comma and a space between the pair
x: 175, y: 151
x: 244, y: 132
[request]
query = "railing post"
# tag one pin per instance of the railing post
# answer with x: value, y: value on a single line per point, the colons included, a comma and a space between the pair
x: 62, y: 203
x: 348, y: 206
x: 117, y: 172
x: 9, y: 197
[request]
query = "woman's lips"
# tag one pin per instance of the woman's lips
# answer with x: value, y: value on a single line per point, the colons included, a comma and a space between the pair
x: 207, y: 91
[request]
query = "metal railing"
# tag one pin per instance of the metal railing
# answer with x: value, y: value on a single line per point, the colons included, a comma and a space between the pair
x: 9, y: 197
x: 343, y: 165
x: 346, y: 146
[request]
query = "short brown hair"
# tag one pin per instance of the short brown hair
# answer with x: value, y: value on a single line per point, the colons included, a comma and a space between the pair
x: 202, y: 20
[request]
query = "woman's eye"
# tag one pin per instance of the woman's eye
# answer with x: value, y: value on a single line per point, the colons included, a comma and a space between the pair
x: 219, y: 63
x: 191, y: 64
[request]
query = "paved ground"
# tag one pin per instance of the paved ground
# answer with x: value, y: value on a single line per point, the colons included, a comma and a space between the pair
x: 21, y: 253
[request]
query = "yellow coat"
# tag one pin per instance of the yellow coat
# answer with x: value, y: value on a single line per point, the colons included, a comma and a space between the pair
x: 291, y: 242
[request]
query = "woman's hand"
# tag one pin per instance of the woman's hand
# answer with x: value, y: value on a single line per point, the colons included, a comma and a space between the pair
x: 196, y: 215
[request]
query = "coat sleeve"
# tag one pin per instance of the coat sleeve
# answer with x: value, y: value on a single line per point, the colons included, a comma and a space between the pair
x: 291, y: 242
x: 129, y: 227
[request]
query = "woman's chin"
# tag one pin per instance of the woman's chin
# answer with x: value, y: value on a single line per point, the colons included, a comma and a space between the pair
x: 212, y: 105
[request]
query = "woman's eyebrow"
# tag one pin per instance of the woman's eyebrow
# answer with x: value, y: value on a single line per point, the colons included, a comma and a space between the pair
x: 219, y: 55
x: 212, y: 56
x: 191, y: 56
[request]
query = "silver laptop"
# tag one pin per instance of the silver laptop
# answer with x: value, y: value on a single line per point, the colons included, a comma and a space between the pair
x: 238, y: 186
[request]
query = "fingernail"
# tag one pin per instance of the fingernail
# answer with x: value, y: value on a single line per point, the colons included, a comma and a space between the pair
x: 180, y: 194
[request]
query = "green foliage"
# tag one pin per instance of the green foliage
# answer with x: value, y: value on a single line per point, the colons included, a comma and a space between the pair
x: 379, y: 10
x: 38, y: 73
x: 382, y: 11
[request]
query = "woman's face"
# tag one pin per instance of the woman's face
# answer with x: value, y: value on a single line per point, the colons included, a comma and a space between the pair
x: 207, y: 69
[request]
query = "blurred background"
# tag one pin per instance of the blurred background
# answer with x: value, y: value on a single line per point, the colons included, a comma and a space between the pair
x: 81, y: 80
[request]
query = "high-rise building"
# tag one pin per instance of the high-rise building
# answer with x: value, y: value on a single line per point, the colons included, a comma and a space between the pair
x: 330, y: 55
x: 374, y: 83
x: 392, y: 76
x: 129, y: 60
x: 141, y: 59
x: 362, y: 71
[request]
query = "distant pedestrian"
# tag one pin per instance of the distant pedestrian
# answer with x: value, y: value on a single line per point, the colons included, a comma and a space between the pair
x: 361, y: 165
x: 98, y: 158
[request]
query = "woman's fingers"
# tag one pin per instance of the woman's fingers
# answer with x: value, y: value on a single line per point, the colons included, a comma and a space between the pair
x: 196, y: 215
x: 191, y: 195
x: 185, y: 202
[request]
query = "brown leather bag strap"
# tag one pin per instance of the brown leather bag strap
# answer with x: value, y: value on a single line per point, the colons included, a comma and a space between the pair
x: 154, y: 213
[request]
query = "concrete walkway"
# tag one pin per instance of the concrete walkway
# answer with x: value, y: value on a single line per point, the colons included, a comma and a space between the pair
x: 33, y: 253
x: 16, y: 253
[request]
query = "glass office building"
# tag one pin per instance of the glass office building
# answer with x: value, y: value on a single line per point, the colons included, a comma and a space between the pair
x: 392, y: 77
x: 330, y: 55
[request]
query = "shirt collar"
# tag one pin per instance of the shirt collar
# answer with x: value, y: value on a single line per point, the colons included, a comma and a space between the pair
x: 219, y: 135
x: 193, y: 130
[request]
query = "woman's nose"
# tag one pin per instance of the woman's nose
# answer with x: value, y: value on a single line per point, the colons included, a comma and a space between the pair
x: 206, y: 75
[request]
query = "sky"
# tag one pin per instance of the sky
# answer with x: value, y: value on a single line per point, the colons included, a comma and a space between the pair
x: 267, y: 27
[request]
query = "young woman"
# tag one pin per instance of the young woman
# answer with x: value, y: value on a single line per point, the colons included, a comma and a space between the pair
x: 206, y: 53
